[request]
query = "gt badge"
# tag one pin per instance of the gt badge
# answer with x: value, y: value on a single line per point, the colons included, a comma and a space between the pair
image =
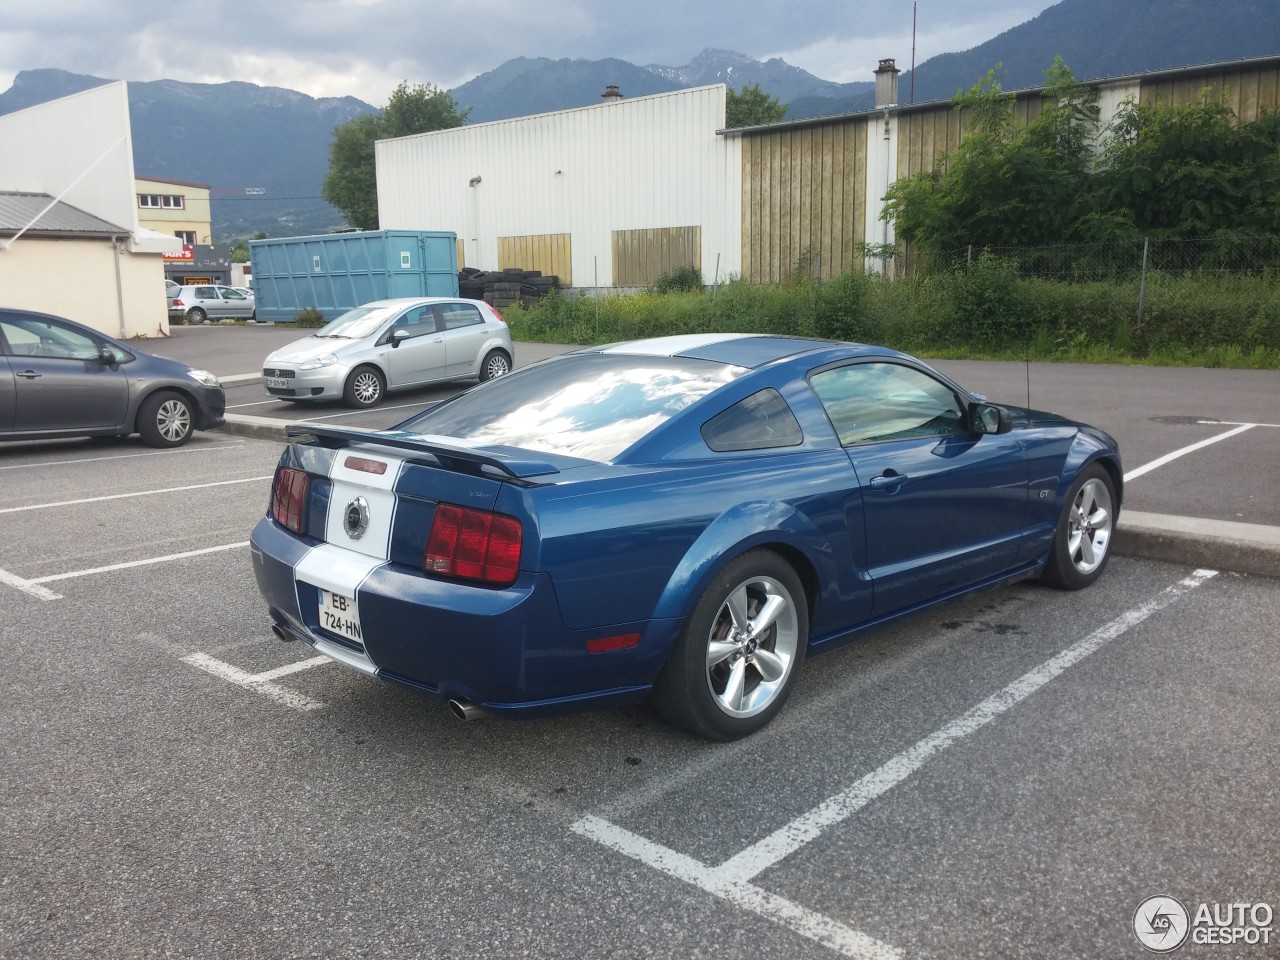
x: 356, y: 518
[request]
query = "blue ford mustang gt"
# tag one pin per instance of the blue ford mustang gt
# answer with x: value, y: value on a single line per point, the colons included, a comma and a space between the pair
x: 687, y: 519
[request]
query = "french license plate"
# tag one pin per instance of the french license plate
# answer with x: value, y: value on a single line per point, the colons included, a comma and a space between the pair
x: 338, y: 614
x: 277, y: 382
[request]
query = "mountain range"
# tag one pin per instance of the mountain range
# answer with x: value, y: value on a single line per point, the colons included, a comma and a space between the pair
x: 237, y: 135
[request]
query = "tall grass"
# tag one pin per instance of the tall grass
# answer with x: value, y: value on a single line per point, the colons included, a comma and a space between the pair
x: 986, y: 310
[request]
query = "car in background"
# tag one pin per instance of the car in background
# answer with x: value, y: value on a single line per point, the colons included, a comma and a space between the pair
x: 687, y: 519
x: 388, y: 345
x: 199, y: 303
x: 247, y: 291
x: 172, y: 290
x: 59, y: 378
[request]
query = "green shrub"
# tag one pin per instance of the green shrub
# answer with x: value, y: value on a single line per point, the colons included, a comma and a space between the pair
x: 309, y: 317
x: 680, y: 280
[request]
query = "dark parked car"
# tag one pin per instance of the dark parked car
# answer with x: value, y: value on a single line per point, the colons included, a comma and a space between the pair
x: 686, y: 518
x: 62, y: 379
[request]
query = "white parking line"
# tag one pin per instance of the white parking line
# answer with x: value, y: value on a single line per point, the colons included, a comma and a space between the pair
x: 1160, y: 462
x: 125, y: 496
x: 28, y: 586
x: 732, y: 879
x: 210, y: 446
x: 138, y: 563
x: 807, y: 923
x: 1238, y: 423
x: 261, y: 682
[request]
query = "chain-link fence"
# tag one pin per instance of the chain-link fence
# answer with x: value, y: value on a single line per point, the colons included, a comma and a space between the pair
x: 1149, y: 292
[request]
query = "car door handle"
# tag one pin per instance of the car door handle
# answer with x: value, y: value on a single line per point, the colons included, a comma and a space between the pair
x: 30, y: 375
x: 888, y: 481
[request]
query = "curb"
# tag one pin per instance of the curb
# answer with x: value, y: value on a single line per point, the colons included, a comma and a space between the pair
x: 1251, y: 548
x: 1216, y: 544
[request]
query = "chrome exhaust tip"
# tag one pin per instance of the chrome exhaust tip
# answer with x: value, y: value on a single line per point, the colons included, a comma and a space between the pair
x: 465, y: 709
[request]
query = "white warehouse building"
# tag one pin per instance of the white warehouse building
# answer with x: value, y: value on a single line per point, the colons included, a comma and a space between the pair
x: 611, y: 195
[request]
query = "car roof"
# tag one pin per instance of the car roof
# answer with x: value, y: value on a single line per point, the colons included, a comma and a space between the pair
x: 739, y: 349
x: 411, y: 301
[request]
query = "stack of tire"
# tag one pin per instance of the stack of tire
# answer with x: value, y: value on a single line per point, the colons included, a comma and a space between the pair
x: 503, y: 288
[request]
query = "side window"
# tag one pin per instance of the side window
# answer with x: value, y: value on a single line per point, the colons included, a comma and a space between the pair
x: 455, y: 315
x: 229, y: 294
x: 867, y: 402
x: 418, y: 322
x: 206, y: 293
x: 759, y: 422
x: 29, y: 337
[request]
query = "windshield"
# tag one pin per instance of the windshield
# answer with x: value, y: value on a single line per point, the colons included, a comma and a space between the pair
x: 356, y: 323
x: 591, y: 406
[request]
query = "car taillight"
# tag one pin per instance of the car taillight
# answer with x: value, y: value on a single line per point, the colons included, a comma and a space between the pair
x: 289, y: 498
x: 473, y: 545
x: 177, y: 301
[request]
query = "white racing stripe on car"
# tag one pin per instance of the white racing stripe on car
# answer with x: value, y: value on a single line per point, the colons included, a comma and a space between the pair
x: 372, y: 536
x: 670, y: 346
x: 339, y: 571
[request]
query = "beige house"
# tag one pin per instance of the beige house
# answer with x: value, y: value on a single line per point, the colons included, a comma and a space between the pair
x: 174, y: 207
x: 70, y: 239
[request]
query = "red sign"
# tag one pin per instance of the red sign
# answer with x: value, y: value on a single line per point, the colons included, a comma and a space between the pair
x: 188, y: 255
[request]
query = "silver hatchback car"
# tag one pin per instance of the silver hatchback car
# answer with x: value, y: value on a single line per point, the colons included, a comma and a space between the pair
x: 391, y: 345
x: 198, y: 303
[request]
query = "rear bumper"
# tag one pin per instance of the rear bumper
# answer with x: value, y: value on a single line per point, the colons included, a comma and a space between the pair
x: 507, y: 651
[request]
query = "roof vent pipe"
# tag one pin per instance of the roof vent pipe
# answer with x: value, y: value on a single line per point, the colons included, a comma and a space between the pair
x: 887, y: 84
x: 611, y: 93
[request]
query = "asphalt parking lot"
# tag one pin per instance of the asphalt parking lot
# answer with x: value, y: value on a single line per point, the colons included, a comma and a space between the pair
x: 1010, y: 776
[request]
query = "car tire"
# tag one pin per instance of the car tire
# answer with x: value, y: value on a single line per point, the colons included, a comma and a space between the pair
x: 196, y: 315
x: 496, y: 364
x: 166, y: 419
x: 1082, y: 540
x: 732, y: 669
x: 365, y: 387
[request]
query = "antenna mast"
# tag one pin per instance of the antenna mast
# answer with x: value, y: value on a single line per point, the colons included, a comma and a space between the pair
x: 913, y: 50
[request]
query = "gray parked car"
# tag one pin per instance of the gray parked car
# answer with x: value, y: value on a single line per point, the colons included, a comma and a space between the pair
x: 390, y: 345
x: 196, y: 304
x: 62, y: 379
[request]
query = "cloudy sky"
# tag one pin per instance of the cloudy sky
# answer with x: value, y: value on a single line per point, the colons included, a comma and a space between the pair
x: 364, y: 48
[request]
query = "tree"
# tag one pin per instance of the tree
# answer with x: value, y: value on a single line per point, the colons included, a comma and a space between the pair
x: 752, y: 107
x: 351, y: 184
x: 1006, y: 185
x: 1192, y: 170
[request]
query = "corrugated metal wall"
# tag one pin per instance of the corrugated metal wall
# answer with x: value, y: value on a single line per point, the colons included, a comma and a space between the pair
x: 1251, y: 89
x: 642, y: 163
x: 803, y: 197
x: 80, y: 144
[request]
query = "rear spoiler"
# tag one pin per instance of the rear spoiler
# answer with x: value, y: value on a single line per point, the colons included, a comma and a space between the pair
x: 518, y: 468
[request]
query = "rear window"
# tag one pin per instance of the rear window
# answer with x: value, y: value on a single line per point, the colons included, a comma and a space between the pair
x: 760, y: 422
x: 591, y: 406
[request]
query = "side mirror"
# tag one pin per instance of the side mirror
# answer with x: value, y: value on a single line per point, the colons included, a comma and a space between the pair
x: 106, y: 354
x: 989, y: 418
x: 397, y: 336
